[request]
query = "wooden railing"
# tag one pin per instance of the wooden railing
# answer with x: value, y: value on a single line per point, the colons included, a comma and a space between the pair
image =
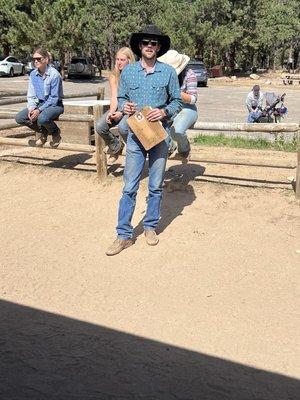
x: 200, y: 127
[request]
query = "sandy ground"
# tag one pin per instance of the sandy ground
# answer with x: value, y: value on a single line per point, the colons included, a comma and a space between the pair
x: 210, y: 313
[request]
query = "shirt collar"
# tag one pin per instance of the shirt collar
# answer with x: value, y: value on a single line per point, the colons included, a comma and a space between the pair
x: 47, y: 72
x: 156, y: 67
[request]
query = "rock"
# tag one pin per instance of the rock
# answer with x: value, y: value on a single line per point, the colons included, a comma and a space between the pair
x: 254, y: 76
x: 233, y: 78
x: 268, y: 82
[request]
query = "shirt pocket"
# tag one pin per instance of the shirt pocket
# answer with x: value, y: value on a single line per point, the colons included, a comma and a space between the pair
x: 159, y: 88
x: 134, y: 88
x: 47, y: 89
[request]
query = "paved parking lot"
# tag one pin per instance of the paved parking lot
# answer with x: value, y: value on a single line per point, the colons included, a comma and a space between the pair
x: 220, y: 102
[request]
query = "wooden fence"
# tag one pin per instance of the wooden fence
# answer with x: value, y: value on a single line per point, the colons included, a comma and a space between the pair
x: 199, y: 127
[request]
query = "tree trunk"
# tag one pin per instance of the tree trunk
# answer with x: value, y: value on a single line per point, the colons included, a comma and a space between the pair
x: 6, y: 49
x: 62, y: 57
x: 231, y: 57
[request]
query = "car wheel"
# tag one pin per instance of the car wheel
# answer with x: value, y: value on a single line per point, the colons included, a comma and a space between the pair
x: 79, y: 68
x: 11, y: 72
x: 204, y: 84
x: 23, y: 71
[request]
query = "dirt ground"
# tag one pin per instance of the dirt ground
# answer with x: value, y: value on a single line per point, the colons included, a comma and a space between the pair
x: 210, y: 313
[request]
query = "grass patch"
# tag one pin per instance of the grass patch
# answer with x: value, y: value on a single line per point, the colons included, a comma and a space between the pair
x: 242, y: 143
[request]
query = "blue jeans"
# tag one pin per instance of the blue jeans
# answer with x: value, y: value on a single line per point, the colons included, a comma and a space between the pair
x: 44, y: 123
x: 183, y: 121
x: 253, y: 116
x: 134, y: 164
x: 123, y: 128
x: 103, y: 129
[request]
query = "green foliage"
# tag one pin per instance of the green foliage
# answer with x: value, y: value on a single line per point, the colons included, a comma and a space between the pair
x: 233, y: 32
x: 240, y: 142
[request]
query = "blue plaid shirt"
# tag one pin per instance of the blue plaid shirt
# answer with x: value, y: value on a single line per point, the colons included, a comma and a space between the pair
x: 157, y: 89
x: 44, y: 91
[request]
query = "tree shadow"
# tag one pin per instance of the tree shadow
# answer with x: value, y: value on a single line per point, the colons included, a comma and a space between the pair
x: 45, y: 356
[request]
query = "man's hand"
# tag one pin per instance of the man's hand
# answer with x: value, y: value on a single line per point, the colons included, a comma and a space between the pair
x: 33, y: 115
x: 156, y: 114
x: 129, y: 108
x: 116, y: 116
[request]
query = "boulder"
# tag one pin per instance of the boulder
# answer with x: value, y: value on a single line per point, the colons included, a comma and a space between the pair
x: 254, y: 76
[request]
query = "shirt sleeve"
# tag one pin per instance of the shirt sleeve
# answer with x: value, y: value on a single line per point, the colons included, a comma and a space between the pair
x: 53, y: 97
x: 190, y: 85
x: 248, y: 102
x: 31, y: 96
x: 175, y: 103
x: 122, y: 92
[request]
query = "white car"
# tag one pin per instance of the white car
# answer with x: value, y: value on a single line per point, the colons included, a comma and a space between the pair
x: 11, y: 66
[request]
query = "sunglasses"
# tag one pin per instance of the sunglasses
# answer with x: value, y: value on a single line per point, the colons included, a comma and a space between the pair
x: 146, y: 42
x: 38, y: 59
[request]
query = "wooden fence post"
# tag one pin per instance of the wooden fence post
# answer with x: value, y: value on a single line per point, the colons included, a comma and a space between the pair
x: 100, y: 95
x: 297, y: 188
x: 99, y: 142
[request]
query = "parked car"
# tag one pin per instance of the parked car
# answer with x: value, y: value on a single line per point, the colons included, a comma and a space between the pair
x: 81, y: 67
x: 200, y: 70
x: 57, y: 65
x: 10, y: 66
x: 29, y: 66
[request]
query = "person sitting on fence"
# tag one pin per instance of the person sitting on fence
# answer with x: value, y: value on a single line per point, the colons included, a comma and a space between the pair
x: 254, y: 102
x: 188, y: 90
x: 44, y: 100
x: 112, y: 117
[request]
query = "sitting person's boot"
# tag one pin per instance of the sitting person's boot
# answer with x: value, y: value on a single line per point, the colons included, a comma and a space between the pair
x: 172, y: 148
x: 113, y: 154
x: 151, y: 237
x: 41, y: 140
x: 56, y: 139
x: 185, y: 155
x: 118, y: 245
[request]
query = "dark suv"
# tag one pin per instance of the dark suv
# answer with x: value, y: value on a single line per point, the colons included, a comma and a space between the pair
x: 200, y: 70
x: 81, y: 67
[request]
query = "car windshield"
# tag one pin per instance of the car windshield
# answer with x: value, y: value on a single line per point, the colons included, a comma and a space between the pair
x: 78, y: 60
x: 196, y: 66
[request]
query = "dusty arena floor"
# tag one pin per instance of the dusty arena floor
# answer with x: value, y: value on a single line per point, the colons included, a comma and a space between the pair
x: 211, y: 313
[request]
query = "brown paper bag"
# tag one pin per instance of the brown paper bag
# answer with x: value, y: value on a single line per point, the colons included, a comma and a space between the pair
x: 149, y: 133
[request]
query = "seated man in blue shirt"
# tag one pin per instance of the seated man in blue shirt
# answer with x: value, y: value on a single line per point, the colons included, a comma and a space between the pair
x: 44, y: 100
x: 147, y: 82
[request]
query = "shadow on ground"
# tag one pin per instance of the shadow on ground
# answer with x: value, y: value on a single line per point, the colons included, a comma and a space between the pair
x: 51, y: 357
x: 177, y: 179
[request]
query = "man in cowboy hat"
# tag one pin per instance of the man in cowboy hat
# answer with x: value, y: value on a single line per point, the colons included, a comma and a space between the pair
x: 147, y: 82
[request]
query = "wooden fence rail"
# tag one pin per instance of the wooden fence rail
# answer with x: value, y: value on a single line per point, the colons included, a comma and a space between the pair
x: 82, y: 148
x: 199, y: 126
x: 62, y: 117
x: 245, y: 127
x: 19, y: 96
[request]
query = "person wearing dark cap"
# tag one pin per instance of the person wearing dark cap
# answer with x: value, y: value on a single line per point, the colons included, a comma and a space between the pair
x: 147, y: 82
x: 254, y: 102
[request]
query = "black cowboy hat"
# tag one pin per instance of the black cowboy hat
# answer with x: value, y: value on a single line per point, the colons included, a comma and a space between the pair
x: 151, y: 32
